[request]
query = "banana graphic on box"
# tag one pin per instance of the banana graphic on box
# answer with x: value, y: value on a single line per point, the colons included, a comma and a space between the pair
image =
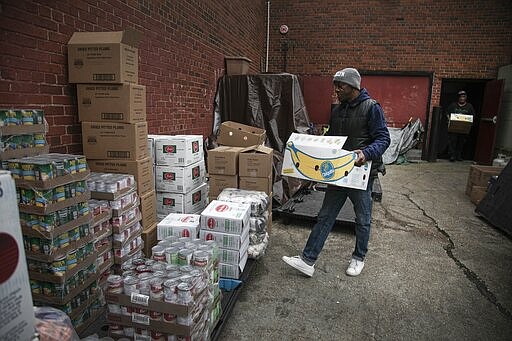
x: 321, y: 169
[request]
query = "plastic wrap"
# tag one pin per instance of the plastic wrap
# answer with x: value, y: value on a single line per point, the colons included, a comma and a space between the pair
x: 259, y: 201
x: 273, y: 102
x: 53, y: 324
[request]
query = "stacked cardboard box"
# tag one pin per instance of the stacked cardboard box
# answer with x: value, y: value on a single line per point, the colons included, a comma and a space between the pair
x: 112, y: 109
x: 180, y: 174
x: 55, y: 220
x: 227, y: 223
x: 241, y: 161
x: 22, y: 133
x: 478, y: 181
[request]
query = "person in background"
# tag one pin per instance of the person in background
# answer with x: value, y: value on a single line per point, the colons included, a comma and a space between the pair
x: 456, y: 141
x: 361, y: 119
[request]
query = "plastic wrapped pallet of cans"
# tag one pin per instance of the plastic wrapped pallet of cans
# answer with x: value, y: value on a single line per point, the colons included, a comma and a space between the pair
x: 174, y: 294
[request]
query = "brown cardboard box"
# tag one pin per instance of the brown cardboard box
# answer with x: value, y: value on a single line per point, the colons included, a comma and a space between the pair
x: 142, y: 170
x: 125, y: 103
x: 219, y: 182
x: 460, y: 123
x: 149, y: 238
x: 120, y: 141
x: 240, y: 135
x: 479, y: 175
x: 104, y: 57
x: 477, y: 194
x: 148, y: 209
x: 256, y: 162
x: 237, y: 65
x: 223, y: 160
x: 256, y: 184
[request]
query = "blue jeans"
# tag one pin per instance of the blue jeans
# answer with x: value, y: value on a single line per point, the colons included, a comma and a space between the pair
x: 333, y: 202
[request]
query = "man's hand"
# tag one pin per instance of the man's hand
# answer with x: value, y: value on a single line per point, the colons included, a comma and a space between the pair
x: 361, y: 159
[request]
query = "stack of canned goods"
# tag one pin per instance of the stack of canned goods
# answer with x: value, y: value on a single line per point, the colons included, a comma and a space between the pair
x: 61, y: 241
x: 64, y: 263
x: 61, y: 290
x: 17, y: 117
x: 79, y: 299
x: 13, y: 142
x: 160, y: 281
x: 127, y: 217
x: 109, y: 182
x: 47, y: 166
x: 43, y: 198
x: 50, y: 221
x: 98, y: 207
x: 125, y: 201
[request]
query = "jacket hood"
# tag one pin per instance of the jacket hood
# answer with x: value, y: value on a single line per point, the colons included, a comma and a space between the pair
x: 363, y: 96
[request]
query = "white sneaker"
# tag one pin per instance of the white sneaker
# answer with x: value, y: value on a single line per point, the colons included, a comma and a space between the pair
x: 297, y: 263
x: 355, y: 267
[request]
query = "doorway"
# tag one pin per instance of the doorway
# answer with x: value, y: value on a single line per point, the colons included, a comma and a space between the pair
x: 475, y: 89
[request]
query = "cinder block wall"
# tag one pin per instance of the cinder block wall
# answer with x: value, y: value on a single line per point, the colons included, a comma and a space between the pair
x: 181, y: 56
x: 452, y: 39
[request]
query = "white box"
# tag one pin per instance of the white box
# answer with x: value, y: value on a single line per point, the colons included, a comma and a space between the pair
x: 223, y: 216
x: 233, y: 270
x: 151, y: 146
x: 178, y: 150
x: 181, y: 225
x: 322, y: 159
x: 228, y: 256
x: 179, y: 179
x: 15, y: 292
x: 225, y: 240
x: 192, y: 202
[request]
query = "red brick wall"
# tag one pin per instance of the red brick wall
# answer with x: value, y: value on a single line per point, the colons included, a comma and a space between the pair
x: 452, y: 39
x: 180, y: 56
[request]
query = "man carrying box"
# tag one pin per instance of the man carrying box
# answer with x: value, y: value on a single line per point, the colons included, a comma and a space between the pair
x: 361, y: 119
x: 457, y: 133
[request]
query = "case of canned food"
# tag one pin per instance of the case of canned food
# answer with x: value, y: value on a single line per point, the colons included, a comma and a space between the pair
x: 17, y: 117
x: 47, y: 166
x: 60, y: 266
x: 54, y: 220
x: 14, y: 142
x: 61, y: 292
x: 110, y: 186
x: 171, y: 298
x: 68, y: 241
x: 46, y: 197
x: 48, y: 289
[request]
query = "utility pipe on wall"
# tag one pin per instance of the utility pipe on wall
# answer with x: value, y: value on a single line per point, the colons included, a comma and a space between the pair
x: 268, y: 34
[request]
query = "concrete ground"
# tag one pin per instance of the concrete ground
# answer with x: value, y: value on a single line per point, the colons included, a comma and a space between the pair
x: 434, y: 271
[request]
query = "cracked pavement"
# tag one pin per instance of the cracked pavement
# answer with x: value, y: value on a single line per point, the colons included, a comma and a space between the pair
x: 434, y: 271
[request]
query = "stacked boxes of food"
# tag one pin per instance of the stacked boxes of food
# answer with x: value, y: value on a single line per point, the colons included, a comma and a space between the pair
x: 241, y: 161
x: 56, y: 226
x: 22, y: 133
x: 175, y: 295
x: 180, y: 174
x: 260, y: 217
x: 227, y: 223
x: 112, y: 109
x: 117, y: 194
